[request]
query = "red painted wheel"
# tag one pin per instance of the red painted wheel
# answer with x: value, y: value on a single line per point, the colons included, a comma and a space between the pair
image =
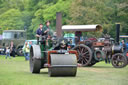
x: 84, y: 54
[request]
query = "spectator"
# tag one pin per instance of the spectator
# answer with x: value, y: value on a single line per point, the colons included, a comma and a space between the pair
x: 30, y: 44
x: 12, y: 49
x: 124, y: 47
x: 8, y: 52
x: 26, y: 51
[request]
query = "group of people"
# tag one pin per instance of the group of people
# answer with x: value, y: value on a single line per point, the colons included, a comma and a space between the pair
x: 10, y: 49
x: 43, y: 30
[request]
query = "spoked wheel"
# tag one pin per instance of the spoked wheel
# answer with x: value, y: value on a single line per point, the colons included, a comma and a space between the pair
x: 35, y: 62
x: 84, y: 54
x: 119, y: 60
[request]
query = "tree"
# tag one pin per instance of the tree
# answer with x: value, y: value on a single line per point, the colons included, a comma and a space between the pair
x: 48, y: 12
x: 20, y: 14
x: 92, y: 12
x: 11, y: 19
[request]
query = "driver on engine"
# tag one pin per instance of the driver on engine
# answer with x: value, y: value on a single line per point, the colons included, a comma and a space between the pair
x: 39, y: 32
x: 44, y: 31
x: 47, y: 32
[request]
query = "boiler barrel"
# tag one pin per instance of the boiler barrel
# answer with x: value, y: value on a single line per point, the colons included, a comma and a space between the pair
x: 117, y: 49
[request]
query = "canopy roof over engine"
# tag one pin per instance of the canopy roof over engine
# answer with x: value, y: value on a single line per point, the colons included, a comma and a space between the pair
x: 85, y: 28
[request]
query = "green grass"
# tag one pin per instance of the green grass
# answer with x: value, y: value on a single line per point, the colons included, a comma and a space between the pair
x: 15, y: 71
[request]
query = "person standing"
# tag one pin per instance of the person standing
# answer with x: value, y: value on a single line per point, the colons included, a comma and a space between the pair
x: 124, y: 47
x: 12, y: 49
x: 7, y: 52
x: 39, y: 32
x: 78, y: 35
x: 48, y: 33
x: 26, y: 51
x: 47, y: 29
x: 30, y: 44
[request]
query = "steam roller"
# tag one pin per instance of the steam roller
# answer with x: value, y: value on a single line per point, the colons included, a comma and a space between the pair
x: 59, y: 60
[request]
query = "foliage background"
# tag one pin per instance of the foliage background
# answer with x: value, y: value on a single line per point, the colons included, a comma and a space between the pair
x: 28, y: 14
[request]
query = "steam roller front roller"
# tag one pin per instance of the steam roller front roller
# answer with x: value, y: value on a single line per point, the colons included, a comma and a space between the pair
x: 63, y: 65
x: 35, y: 59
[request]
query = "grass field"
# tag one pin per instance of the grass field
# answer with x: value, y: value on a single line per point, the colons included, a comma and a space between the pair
x: 15, y: 71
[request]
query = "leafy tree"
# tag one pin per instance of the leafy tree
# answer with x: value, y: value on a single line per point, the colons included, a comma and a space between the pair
x: 122, y: 15
x: 48, y: 12
x: 11, y: 19
x: 20, y: 14
x: 92, y: 12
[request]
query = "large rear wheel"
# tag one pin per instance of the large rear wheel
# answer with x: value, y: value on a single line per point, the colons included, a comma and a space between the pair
x: 84, y: 54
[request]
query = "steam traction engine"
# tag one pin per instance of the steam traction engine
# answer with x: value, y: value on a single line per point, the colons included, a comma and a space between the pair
x: 91, y: 51
x: 59, y: 60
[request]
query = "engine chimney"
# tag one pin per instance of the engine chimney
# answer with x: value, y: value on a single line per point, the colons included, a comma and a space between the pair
x: 59, y: 24
x: 117, y: 32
